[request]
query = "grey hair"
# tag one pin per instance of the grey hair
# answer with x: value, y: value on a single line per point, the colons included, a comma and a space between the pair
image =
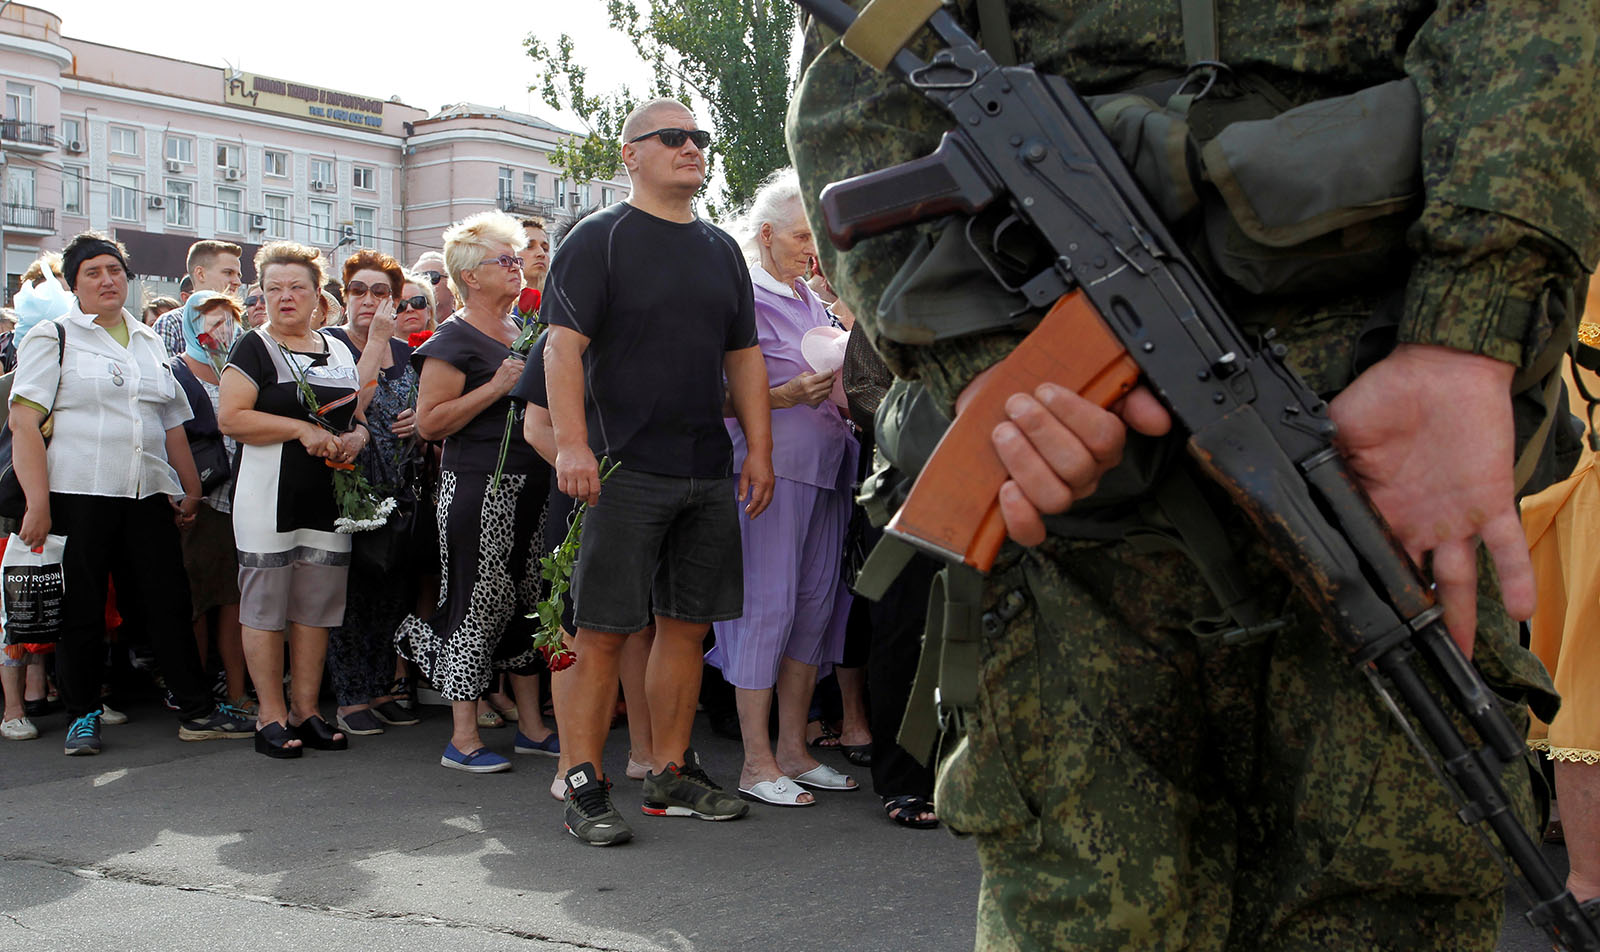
x: 777, y: 202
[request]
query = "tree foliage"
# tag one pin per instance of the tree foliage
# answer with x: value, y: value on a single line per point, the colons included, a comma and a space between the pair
x: 729, y: 56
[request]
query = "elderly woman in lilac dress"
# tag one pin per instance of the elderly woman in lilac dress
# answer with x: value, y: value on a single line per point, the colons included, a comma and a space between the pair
x: 795, y: 601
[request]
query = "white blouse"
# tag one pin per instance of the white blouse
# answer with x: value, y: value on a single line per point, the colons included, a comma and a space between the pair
x: 111, y: 405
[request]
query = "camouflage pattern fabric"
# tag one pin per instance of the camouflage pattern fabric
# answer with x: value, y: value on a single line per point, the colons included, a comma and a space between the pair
x: 1131, y: 785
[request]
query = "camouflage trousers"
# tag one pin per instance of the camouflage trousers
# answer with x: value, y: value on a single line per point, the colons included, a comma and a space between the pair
x: 1133, y: 786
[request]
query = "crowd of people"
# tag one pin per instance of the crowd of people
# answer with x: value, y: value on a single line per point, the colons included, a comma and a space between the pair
x: 217, y: 561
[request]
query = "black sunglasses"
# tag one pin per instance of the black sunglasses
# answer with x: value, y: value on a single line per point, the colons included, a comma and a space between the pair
x: 415, y: 302
x: 434, y: 277
x: 673, y: 138
x: 253, y: 300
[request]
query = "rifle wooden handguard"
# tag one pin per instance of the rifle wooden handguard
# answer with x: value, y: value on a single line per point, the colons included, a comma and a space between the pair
x: 953, y: 509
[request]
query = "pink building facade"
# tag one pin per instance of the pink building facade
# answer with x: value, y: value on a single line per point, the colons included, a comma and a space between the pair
x: 161, y: 153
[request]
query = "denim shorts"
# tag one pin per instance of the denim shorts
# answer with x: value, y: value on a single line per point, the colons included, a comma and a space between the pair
x: 666, y: 543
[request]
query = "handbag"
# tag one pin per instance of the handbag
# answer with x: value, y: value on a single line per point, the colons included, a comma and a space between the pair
x: 205, y: 437
x: 386, y: 549
x: 13, y: 503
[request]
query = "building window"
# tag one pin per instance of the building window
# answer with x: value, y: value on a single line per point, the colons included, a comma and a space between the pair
x: 322, y: 174
x: 230, y: 203
x: 180, y: 149
x: 366, y: 222
x: 502, y: 188
x: 364, y: 177
x: 124, y: 141
x: 277, y: 216
x: 607, y: 196
x: 276, y: 163
x: 19, y: 187
x: 71, y: 131
x: 19, y: 102
x: 561, y: 193
x: 530, y: 187
x: 228, y: 156
x: 72, y: 190
x: 322, y: 223
x: 584, y: 196
x: 125, y: 194
x: 180, y: 203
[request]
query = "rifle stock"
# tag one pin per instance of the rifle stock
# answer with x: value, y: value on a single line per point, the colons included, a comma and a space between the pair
x: 953, y: 508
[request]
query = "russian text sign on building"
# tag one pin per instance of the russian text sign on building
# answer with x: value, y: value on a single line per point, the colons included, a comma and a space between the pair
x: 298, y: 99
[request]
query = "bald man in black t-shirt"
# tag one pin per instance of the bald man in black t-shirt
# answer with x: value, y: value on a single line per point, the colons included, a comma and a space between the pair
x: 650, y: 309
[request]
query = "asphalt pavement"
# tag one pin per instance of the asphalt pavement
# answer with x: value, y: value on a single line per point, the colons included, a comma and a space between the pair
x: 171, y: 847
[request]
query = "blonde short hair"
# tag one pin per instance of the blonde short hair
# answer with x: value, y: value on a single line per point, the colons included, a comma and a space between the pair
x: 290, y: 252
x: 421, y: 281
x: 467, y: 242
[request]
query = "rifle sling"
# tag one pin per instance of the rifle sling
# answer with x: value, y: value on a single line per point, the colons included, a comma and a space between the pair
x: 884, y: 27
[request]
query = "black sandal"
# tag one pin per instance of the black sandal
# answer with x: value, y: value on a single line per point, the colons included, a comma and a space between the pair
x: 271, y: 738
x: 827, y: 740
x: 315, y: 733
x: 907, y: 811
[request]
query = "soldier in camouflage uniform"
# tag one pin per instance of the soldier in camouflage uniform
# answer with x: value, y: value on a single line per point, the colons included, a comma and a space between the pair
x: 1134, y: 785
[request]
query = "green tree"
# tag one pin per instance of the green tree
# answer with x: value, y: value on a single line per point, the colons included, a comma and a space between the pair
x: 732, y: 56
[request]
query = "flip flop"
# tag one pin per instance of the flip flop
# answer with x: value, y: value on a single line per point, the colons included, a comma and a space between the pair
x: 781, y: 792
x: 823, y: 777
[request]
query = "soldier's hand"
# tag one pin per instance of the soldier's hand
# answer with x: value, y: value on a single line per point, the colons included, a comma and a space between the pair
x: 1428, y: 432
x: 1056, y: 447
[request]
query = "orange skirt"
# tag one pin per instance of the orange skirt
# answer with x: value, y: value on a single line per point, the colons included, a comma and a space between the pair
x: 1563, y: 528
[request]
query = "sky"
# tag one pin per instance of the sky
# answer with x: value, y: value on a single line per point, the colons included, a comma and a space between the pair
x: 471, y: 51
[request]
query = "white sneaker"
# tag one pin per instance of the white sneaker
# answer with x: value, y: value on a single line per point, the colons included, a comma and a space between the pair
x: 110, y: 715
x: 18, y: 729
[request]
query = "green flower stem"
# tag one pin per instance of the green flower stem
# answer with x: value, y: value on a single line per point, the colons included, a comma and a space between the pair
x: 556, y: 569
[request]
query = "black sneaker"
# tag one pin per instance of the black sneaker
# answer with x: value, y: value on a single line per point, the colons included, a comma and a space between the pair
x: 589, y: 815
x: 687, y: 791
x: 224, y: 721
x: 83, y: 737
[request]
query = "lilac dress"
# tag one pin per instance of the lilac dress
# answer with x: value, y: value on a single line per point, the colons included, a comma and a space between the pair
x: 795, y: 600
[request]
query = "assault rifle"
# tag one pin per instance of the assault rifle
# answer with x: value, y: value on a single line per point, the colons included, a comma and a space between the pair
x: 1124, y: 301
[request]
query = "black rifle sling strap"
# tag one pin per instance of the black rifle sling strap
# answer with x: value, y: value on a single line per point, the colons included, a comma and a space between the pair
x: 994, y: 29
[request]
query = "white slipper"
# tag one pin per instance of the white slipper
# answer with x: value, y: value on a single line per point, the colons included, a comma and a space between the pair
x: 780, y: 793
x: 823, y: 777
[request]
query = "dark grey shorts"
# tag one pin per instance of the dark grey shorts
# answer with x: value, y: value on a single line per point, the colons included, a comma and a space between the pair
x: 663, y: 541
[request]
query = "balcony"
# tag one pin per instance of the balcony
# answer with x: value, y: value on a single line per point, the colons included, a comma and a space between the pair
x: 28, y: 219
x: 30, y: 136
x: 538, y: 207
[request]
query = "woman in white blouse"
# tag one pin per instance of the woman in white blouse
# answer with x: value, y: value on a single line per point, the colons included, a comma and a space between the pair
x: 105, y: 480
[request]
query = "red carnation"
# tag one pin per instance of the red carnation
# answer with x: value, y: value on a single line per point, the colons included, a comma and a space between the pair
x: 416, y: 340
x: 528, y: 301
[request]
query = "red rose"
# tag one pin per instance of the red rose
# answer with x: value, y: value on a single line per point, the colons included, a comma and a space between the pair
x: 560, y: 659
x: 528, y: 301
x: 416, y: 340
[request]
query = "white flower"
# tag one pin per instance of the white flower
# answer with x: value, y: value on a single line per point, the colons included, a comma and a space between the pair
x: 353, y: 524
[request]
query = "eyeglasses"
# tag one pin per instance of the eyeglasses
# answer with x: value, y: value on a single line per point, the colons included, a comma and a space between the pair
x: 357, y: 288
x: 253, y: 300
x: 673, y: 138
x: 416, y: 302
x: 504, y: 261
x: 434, y: 277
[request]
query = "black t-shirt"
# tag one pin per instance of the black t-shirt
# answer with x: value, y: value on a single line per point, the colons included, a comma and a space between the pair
x: 661, y: 303
x: 530, y: 386
x: 398, y: 352
x: 475, y: 447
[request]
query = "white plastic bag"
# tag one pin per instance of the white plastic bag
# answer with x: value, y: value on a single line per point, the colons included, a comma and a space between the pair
x: 33, y: 591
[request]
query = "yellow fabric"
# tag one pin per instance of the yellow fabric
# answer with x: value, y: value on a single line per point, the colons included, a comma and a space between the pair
x: 119, y: 332
x: 884, y: 27
x: 29, y: 403
x: 1563, y: 528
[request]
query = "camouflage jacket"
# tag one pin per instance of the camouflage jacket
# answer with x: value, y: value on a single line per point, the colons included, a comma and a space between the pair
x: 1511, y: 102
